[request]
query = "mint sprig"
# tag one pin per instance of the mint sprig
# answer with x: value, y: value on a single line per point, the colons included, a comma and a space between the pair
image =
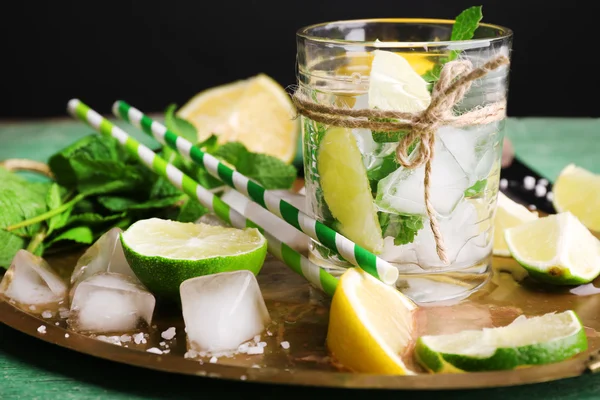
x: 464, y: 28
x: 403, y: 228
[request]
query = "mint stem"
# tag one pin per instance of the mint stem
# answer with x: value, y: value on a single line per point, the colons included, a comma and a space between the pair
x: 37, y: 239
x: 46, y: 215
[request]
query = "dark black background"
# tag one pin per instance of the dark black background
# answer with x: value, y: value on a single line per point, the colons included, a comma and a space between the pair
x: 152, y: 53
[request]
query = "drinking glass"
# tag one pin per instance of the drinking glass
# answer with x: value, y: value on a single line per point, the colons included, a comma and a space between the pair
x: 354, y: 181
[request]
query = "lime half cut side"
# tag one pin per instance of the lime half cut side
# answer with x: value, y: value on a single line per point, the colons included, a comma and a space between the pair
x: 346, y: 189
x: 164, y: 253
x: 525, y: 342
x: 556, y: 249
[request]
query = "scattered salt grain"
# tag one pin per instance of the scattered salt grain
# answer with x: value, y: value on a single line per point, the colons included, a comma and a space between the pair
x: 256, y: 339
x: 285, y: 345
x: 168, y: 334
x: 190, y: 354
x: 41, y: 329
x: 166, y: 351
x: 213, y: 360
x: 154, y: 350
x: 503, y: 183
x: 262, y: 344
x: 57, y: 323
x: 63, y: 312
x: 255, y: 350
x: 66, y: 335
x: 543, y: 182
x: 110, y: 339
x: 269, y: 333
x: 166, y: 346
x: 540, y: 191
x: 32, y: 308
x: 139, y: 338
x: 243, y: 378
x: 550, y: 196
x: 532, y: 207
x: 255, y: 366
x: 47, y: 314
x: 125, y: 338
x: 529, y: 182
x: 162, y: 344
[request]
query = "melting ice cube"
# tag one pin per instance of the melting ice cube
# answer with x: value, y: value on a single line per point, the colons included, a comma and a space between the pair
x: 105, y: 255
x: 285, y: 232
x: 474, y: 148
x: 30, y: 280
x: 222, y: 311
x: 466, y: 236
x: 403, y: 191
x: 110, y: 302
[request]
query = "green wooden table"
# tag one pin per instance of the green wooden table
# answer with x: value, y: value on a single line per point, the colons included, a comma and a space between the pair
x: 33, y: 369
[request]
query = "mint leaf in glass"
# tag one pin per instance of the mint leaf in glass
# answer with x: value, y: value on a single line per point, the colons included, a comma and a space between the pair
x: 403, y: 228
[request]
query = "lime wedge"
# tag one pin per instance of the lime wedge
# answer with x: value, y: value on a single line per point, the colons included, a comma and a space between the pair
x: 556, y: 249
x: 346, y: 189
x: 526, y: 341
x: 363, y: 335
x: 578, y: 191
x: 164, y: 253
x: 508, y: 215
x: 395, y: 85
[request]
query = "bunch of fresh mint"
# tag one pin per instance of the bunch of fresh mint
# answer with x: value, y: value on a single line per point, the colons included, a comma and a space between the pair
x: 99, y: 186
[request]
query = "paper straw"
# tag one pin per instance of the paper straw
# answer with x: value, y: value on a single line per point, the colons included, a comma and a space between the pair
x: 349, y: 250
x: 294, y: 260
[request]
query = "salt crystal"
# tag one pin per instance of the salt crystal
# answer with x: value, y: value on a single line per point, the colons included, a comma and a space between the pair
x: 243, y: 347
x: 110, y: 339
x: 162, y: 344
x: 213, y: 360
x: 262, y: 344
x: 503, y: 183
x: 47, y: 314
x: 255, y: 366
x: 540, y: 191
x: 243, y: 378
x: 63, y: 312
x: 255, y: 350
x: 139, y: 338
x: 57, y: 323
x: 532, y: 207
x: 125, y: 338
x: 166, y: 351
x: 190, y: 354
x: 285, y: 345
x: 66, y: 335
x: 154, y: 350
x: 166, y: 346
x: 543, y: 182
x: 529, y: 182
x: 168, y: 334
x: 41, y: 329
x: 32, y: 308
x: 550, y: 196
x: 256, y: 338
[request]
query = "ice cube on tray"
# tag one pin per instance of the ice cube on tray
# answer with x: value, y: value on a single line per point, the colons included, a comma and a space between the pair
x: 110, y: 302
x: 31, y: 281
x: 105, y: 255
x: 222, y: 311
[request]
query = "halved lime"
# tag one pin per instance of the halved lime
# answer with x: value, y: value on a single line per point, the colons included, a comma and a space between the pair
x: 557, y: 249
x: 526, y: 341
x: 346, y: 189
x: 164, y: 253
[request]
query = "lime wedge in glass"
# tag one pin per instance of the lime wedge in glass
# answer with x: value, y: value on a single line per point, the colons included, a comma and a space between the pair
x: 526, y: 341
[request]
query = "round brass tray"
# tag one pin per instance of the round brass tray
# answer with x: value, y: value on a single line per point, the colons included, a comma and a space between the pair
x: 300, y: 316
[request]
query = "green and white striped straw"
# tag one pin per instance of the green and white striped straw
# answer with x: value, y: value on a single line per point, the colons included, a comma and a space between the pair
x: 294, y: 260
x: 349, y: 250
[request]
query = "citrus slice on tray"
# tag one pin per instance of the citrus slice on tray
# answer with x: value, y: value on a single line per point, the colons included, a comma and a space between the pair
x: 256, y: 112
x: 164, y: 253
x: 370, y: 325
x: 346, y: 189
x: 508, y: 214
x: 556, y: 249
x: 578, y: 191
x: 526, y: 341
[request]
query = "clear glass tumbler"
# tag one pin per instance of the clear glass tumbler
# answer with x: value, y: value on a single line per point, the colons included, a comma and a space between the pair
x: 354, y: 181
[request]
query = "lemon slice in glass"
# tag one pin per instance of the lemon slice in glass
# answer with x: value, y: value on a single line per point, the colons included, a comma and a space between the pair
x: 556, y: 249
